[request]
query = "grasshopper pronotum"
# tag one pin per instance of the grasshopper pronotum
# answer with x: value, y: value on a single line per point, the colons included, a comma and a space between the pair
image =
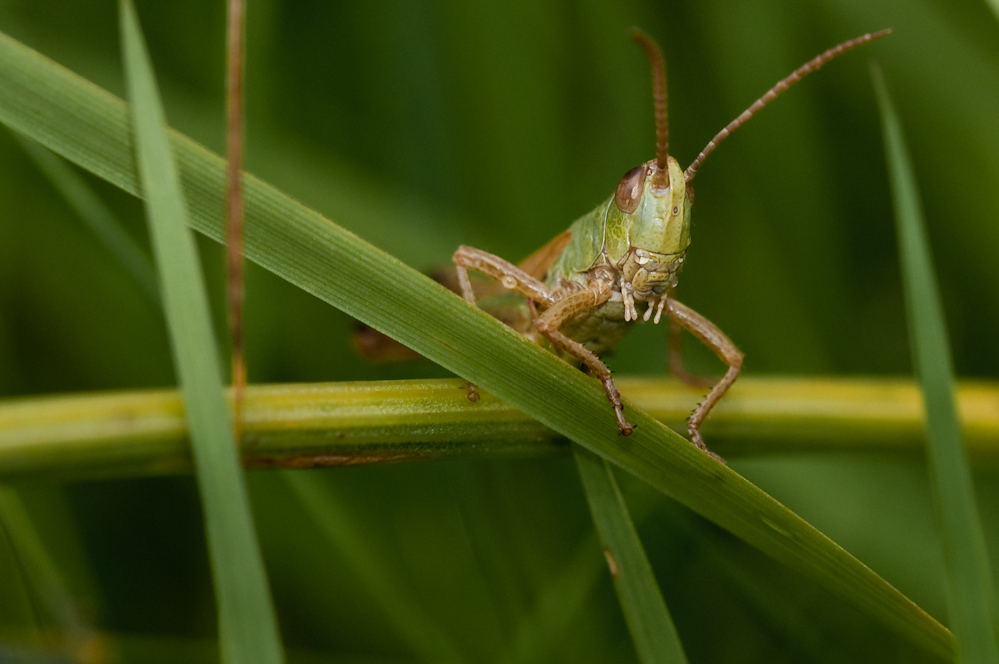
x: 618, y: 264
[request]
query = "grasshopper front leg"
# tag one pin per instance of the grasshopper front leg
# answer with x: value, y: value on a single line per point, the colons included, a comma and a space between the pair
x: 715, y: 339
x: 596, y: 293
x: 513, y: 278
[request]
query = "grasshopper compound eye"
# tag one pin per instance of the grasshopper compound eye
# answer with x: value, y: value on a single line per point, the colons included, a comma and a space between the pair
x: 630, y: 189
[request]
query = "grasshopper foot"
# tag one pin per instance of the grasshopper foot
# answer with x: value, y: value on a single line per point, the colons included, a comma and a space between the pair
x: 615, y: 398
x: 695, y: 437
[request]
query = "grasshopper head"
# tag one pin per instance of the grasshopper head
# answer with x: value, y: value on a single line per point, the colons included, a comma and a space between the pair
x: 658, y: 203
x: 655, y: 199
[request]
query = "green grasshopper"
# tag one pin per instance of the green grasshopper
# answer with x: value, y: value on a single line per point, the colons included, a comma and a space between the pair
x: 618, y: 265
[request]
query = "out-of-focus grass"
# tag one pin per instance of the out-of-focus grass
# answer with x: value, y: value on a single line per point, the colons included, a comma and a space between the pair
x: 971, y: 598
x: 494, y: 125
x: 70, y: 116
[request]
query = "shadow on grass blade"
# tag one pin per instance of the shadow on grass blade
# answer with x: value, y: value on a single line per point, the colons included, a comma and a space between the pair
x: 970, y: 596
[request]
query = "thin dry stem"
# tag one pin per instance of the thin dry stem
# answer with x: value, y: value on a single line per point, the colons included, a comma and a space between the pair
x: 234, y: 209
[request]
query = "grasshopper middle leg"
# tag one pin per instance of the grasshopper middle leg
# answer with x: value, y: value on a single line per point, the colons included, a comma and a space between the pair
x: 715, y: 339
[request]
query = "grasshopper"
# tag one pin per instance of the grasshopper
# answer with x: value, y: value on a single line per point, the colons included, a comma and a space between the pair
x: 618, y: 265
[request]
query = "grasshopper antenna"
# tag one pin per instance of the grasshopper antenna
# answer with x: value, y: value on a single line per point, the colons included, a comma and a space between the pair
x: 658, y: 64
x: 772, y: 93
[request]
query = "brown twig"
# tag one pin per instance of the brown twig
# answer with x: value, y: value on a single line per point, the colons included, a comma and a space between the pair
x: 234, y: 208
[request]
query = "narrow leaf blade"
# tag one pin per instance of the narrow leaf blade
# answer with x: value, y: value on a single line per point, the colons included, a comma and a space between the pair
x: 970, y: 595
x: 648, y: 619
x: 424, y: 637
x: 247, y: 621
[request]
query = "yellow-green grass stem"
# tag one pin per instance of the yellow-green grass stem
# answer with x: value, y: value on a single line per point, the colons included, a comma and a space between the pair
x: 337, y: 424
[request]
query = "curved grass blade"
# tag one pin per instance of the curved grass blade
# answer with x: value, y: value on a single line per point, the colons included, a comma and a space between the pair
x: 94, y: 213
x: 556, y: 606
x: 562, y: 598
x: 970, y: 591
x: 247, y: 622
x: 994, y: 6
x: 645, y: 611
x: 89, y: 126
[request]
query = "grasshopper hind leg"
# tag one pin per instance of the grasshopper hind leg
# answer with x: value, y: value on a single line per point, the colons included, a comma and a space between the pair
x: 676, y: 361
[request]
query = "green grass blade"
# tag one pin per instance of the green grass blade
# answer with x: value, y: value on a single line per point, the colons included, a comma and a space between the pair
x: 424, y: 637
x: 94, y: 213
x: 562, y: 598
x: 89, y: 126
x: 645, y: 611
x: 42, y: 574
x: 970, y: 594
x: 247, y: 622
x: 557, y: 605
x: 994, y: 6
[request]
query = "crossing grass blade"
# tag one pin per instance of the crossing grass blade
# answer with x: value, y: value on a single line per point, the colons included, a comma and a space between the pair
x: 247, y: 622
x: 645, y: 612
x: 89, y: 126
x: 970, y: 590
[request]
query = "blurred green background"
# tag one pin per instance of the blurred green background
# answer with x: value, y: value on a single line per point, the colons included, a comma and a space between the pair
x: 421, y: 126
